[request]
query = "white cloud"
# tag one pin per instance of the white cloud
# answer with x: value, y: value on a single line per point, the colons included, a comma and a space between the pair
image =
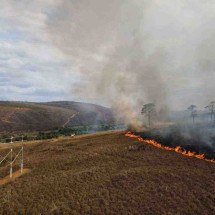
x: 31, y: 68
x: 90, y: 32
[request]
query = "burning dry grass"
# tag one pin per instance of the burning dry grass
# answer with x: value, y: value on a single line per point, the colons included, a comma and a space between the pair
x: 177, y: 149
x: 98, y: 174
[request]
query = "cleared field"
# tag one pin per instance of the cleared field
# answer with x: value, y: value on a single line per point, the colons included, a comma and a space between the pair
x: 108, y: 173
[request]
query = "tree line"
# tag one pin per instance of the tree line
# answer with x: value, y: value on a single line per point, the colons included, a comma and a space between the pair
x: 149, y: 111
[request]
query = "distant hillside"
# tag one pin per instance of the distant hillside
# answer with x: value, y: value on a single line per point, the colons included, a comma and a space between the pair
x: 85, y: 113
x: 28, y: 116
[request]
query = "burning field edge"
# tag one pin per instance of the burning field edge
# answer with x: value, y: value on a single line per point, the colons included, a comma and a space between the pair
x: 177, y: 149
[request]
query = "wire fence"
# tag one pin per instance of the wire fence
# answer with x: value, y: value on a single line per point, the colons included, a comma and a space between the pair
x: 9, y: 140
x: 10, y: 159
x: 67, y: 131
x: 13, y: 139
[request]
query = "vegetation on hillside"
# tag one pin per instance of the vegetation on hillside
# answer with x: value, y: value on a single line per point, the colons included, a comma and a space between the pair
x: 27, y: 116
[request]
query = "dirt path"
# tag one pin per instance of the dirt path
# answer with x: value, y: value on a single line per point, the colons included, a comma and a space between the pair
x: 16, y: 174
x: 69, y: 120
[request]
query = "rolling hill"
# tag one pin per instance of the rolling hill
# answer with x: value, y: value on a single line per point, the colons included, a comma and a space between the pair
x: 106, y: 173
x: 29, y: 116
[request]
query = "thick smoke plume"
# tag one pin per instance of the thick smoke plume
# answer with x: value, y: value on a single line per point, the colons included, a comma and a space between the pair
x: 126, y: 53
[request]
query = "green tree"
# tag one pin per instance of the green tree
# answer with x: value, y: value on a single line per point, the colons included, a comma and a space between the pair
x: 211, y: 108
x: 193, y: 112
x: 148, y: 110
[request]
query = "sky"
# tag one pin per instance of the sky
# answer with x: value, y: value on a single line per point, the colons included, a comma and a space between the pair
x: 31, y: 68
x: 142, y: 51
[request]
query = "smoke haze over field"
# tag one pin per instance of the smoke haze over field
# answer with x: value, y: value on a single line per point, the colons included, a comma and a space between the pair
x: 119, y: 53
x: 130, y: 52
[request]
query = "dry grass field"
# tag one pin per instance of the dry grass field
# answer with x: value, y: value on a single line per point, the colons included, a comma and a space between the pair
x: 15, y: 175
x: 104, y: 174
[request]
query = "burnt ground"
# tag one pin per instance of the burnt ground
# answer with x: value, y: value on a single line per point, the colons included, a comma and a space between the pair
x: 108, y: 173
x: 199, y: 138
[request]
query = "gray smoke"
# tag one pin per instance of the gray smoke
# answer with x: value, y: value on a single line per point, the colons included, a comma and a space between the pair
x: 127, y: 53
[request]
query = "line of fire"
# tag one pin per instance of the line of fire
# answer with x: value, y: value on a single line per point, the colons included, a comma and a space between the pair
x: 190, y: 133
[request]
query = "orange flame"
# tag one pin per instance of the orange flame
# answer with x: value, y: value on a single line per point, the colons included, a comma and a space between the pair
x: 177, y: 149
